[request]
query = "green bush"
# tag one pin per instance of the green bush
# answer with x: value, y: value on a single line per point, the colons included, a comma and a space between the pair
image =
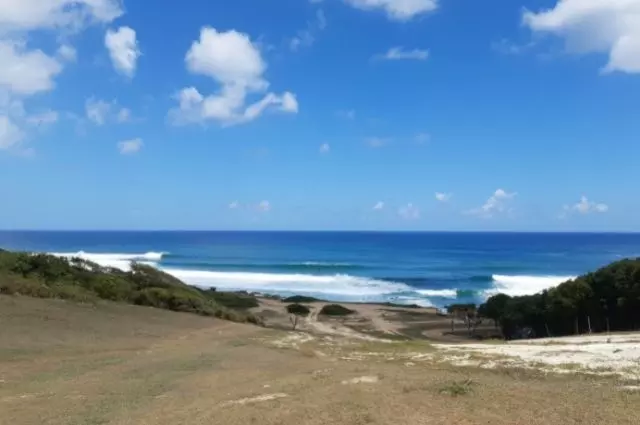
x: 234, y: 300
x: 298, y: 309
x: 47, y: 276
x: 336, y: 310
x: 300, y: 299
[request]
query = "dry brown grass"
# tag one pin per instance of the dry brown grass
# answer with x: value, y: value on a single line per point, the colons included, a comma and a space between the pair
x: 63, y: 363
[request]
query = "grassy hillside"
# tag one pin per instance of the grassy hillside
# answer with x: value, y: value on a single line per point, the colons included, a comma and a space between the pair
x: 48, y: 276
x: 64, y: 363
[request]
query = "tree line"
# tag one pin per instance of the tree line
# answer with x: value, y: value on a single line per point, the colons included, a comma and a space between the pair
x: 605, y: 300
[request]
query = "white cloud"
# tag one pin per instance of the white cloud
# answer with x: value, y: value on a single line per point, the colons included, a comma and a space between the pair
x: 100, y: 112
x: 604, y: 26
x: 584, y: 207
x: 10, y: 134
x: 67, y: 53
x: 129, y: 147
x: 124, y: 115
x: 325, y: 148
x: 97, y: 110
x: 409, y: 212
x: 307, y: 36
x: 378, y: 206
x: 398, y: 53
x: 376, y: 142
x: 123, y: 50
x: 234, y: 205
x: 496, y: 204
x: 235, y: 63
x: 43, y: 118
x: 25, y: 72
x: 264, y: 206
x: 69, y: 15
x: 443, y: 197
x: 400, y: 10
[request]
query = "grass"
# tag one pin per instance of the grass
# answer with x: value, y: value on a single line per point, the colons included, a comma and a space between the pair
x: 118, y: 364
x: 457, y: 388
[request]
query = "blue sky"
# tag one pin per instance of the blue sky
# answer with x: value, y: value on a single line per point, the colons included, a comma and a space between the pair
x: 333, y: 114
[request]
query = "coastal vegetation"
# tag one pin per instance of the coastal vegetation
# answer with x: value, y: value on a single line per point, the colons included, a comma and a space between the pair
x: 605, y: 300
x: 336, y: 310
x: 298, y: 309
x: 48, y: 276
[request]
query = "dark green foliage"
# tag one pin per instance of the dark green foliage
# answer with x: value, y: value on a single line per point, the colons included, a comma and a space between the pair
x: 298, y: 309
x: 336, y: 310
x: 300, y: 299
x: 47, y: 276
x: 608, y: 299
x: 461, y: 308
x: 235, y: 300
x: 388, y: 304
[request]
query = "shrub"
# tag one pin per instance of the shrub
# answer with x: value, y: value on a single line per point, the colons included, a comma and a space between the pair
x: 298, y: 309
x: 300, y: 299
x: 47, y: 276
x: 234, y: 300
x: 336, y: 310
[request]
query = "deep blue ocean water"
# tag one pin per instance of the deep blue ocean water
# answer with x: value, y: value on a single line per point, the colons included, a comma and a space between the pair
x: 425, y: 268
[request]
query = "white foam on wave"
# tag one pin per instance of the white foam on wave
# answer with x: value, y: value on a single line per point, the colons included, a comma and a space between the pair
x: 342, y: 285
x: 444, y: 293
x: 120, y: 261
x: 524, y: 285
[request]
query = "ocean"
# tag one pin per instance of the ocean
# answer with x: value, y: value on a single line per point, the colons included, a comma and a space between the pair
x: 429, y: 269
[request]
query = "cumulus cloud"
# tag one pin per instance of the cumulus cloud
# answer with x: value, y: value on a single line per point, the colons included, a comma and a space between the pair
x: 264, y: 206
x: 26, y: 72
x: 409, y: 212
x: 10, y: 133
x: 67, y: 53
x: 69, y: 15
x: 100, y: 112
x: 443, y: 197
x: 604, y: 26
x: 234, y: 205
x: 399, y: 10
x: 235, y: 63
x: 325, y: 148
x: 378, y: 206
x: 129, y: 147
x: 123, y: 50
x: 496, y: 204
x: 584, y: 206
x: 398, y: 53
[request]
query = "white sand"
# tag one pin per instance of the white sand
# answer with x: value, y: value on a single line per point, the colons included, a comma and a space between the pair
x: 598, y: 354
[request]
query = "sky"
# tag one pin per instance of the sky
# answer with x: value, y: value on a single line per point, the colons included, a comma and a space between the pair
x: 518, y: 115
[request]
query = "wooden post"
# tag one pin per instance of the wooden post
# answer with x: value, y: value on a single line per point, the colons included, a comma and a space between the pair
x: 546, y: 326
x: 589, y: 323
